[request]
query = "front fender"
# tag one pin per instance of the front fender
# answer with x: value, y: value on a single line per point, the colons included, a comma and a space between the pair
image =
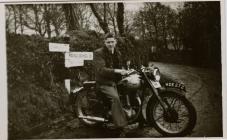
x: 144, y: 106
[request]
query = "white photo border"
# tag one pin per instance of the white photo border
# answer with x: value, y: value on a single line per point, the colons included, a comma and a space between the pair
x: 3, y: 58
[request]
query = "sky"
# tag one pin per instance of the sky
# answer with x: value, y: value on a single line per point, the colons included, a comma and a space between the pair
x: 137, y: 6
x: 133, y: 6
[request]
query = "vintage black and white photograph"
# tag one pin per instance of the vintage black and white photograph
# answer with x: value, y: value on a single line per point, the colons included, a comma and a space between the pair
x: 124, y: 69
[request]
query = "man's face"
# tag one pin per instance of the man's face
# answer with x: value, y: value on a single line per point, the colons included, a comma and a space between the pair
x: 110, y: 43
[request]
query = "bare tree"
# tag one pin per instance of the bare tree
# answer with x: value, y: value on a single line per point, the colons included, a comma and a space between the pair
x: 57, y: 18
x: 9, y: 18
x: 104, y: 11
x: 34, y: 19
x: 139, y: 24
x: 112, y: 16
x: 103, y: 24
x: 21, y: 18
x: 15, y: 18
x: 71, y: 18
x: 83, y: 14
x: 128, y: 22
x: 47, y: 18
x: 77, y: 16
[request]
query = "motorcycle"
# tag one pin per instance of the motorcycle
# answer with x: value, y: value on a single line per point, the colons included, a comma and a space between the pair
x: 163, y: 106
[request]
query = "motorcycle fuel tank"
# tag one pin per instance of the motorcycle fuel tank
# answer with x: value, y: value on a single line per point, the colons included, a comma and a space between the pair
x: 131, y: 82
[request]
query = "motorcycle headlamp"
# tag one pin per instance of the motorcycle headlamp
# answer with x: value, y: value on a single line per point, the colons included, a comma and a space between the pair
x: 153, y: 73
x: 157, y: 74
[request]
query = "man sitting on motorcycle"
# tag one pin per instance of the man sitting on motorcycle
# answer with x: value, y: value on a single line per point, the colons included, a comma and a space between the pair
x: 107, y: 63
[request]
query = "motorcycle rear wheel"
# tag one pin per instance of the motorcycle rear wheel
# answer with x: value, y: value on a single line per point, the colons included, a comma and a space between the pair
x: 163, y: 123
x: 83, y: 107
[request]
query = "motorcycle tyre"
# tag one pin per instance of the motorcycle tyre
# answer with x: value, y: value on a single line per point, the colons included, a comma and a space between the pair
x: 188, y: 104
x: 76, y: 112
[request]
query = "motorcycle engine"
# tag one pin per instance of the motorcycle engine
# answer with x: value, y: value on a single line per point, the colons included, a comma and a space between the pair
x: 131, y: 82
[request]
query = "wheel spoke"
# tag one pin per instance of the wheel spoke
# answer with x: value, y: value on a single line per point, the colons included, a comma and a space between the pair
x: 159, y: 118
x: 179, y: 106
x: 176, y: 105
x: 175, y: 124
x: 158, y: 113
x: 178, y: 127
x: 184, y: 114
x: 173, y: 102
x: 181, y: 120
x: 170, y: 126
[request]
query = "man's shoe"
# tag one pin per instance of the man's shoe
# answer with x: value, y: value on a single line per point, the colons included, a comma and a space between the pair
x: 109, y: 116
x: 129, y: 112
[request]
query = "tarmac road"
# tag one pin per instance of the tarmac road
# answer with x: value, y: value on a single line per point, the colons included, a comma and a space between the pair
x: 203, y: 90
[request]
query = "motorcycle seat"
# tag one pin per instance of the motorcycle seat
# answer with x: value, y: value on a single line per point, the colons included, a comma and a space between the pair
x: 89, y: 83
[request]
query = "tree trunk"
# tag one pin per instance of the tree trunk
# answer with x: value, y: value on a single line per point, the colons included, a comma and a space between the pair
x: 165, y: 39
x: 15, y: 18
x: 120, y: 18
x: 113, y: 20
x: 71, y: 19
x: 37, y: 22
x: 104, y: 11
x: 21, y: 19
x: 36, y: 18
x: 112, y: 17
x: 47, y: 20
x: 54, y: 21
x: 102, y: 23
x: 56, y: 32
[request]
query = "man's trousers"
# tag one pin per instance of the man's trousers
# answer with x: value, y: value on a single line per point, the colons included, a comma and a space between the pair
x: 118, y: 114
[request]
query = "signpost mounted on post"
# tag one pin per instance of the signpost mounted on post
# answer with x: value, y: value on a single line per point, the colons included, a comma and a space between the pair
x: 72, y: 59
x: 57, y: 47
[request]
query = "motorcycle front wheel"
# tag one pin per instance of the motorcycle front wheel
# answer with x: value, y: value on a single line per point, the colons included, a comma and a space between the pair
x: 178, y: 120
x: 86, y: 105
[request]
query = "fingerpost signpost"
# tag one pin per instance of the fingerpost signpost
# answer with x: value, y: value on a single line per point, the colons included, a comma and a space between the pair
x: 72, y: 59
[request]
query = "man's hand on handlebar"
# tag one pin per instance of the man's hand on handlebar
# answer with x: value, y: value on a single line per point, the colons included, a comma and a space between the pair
x: 122, y: 71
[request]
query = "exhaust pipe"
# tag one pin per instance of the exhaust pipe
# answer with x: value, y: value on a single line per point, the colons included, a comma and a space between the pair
x: 91, y: 118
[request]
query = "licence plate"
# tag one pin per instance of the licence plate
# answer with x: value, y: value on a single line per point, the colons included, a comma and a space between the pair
x: 156, y: 84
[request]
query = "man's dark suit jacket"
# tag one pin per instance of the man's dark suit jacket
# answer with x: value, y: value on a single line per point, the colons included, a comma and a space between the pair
x: 104, y: 64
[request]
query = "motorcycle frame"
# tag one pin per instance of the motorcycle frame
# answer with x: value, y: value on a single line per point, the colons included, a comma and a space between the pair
x: 155, y: 91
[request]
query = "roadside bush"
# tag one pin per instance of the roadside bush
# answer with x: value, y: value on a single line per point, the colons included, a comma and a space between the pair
x: 32, y: 96
x: 36, y: 92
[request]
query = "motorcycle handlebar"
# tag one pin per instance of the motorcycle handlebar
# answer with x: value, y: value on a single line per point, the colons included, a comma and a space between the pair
x: 131, y: 71
x: 141, y: 69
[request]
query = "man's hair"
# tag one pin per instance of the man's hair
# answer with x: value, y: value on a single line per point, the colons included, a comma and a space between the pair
x: 109, y: 35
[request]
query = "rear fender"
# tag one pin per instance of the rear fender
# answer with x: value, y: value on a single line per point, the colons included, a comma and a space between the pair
x: 73, y: 94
